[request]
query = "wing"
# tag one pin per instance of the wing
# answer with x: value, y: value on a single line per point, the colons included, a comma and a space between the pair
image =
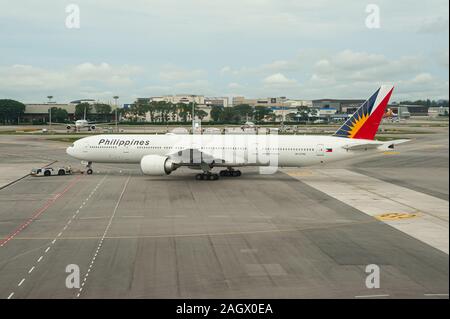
x: 364, y: 146
x: 373, y: 145
x: 195, y: 156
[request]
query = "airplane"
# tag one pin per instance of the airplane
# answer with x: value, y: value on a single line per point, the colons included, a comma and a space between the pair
x: 80, y: 124
x: 160, y: 155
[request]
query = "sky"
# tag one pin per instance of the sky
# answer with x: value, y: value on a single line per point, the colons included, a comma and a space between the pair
x: 253, y: 48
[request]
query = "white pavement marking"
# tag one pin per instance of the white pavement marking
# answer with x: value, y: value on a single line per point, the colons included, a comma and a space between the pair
x: 371, y: 296
x: 53, y: 242
x: 435, y: 295
x: 375, y: 197
x: 104, y: 235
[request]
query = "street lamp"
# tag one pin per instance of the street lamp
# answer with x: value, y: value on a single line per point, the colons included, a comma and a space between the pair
x: 193, y: 113
x: 116, y: 97
x: 50, y: 97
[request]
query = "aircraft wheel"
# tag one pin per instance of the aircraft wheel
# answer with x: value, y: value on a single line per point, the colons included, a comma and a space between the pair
x: 89, y: 171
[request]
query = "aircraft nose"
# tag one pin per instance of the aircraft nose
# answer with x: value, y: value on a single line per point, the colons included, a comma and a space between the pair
x: 69, y: 150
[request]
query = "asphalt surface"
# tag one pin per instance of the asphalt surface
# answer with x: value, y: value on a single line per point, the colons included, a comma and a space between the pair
x: 256, y: 236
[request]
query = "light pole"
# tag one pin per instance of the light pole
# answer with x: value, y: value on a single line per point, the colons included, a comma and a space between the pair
x: 50, y: 97
x: 115, y: 102
x: 193, y: 113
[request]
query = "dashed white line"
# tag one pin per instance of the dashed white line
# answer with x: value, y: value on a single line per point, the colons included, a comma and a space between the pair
x: 53, y: 242
x: 104, y: 234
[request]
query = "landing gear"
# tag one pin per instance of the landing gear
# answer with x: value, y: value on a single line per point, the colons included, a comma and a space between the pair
x: 89, y: 170
x: 206, y: 177
x: 230, y: 173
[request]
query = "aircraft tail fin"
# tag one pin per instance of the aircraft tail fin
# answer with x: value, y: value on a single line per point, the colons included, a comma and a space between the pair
x: 364, y: 123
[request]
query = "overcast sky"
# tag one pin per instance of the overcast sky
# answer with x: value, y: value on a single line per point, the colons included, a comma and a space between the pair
x: 256, y: 48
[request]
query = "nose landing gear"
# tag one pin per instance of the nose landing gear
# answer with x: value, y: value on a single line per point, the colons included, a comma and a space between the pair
x: 89, y: 170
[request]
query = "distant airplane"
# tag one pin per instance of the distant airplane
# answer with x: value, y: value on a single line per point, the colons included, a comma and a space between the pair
x: 162, y: 154
x: 248, y: 124
x: 81, y: 124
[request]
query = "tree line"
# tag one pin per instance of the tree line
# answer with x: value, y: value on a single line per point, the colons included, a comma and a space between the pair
x: 11, y: 111
x: 428, y: 102
x: 161, y: 111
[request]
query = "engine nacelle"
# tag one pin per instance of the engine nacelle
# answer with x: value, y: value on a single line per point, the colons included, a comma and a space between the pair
x: 157, y: 165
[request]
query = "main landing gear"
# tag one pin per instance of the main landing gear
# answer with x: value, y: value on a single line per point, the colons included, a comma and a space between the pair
x: 207, y: 177
x: 230, y: 173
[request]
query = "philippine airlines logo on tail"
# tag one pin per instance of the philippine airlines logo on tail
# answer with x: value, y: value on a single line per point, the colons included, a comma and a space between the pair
x: 363, y: 124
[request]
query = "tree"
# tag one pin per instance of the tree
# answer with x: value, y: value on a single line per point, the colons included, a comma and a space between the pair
x: 201, y: 114
x: 303, y: 111
x: 11, y: 110
x: 291, y: 117
x: 243, y: 111
x: 81, y: 108
x: 229, y: 115
x: 184, y: 110
x: 59, y: 115
x: 103, y: 110
x: 261, y: 112
x: 216, y: 112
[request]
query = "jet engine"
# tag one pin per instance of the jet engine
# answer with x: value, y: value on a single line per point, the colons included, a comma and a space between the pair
x: 157, y: 165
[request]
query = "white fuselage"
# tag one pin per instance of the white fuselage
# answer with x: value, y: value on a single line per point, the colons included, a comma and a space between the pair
x: 81, y: 123
x: 226, y: 150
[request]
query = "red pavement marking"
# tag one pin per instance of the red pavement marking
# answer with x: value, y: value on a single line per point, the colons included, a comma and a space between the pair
x: 39, y: 212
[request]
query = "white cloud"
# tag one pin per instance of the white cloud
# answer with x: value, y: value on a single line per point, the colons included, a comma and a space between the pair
x: 68, y: 82
x: 174, y: 73
x: 278, y: 79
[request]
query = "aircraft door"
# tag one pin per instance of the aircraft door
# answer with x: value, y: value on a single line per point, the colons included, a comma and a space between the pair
x: 319, y: 150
